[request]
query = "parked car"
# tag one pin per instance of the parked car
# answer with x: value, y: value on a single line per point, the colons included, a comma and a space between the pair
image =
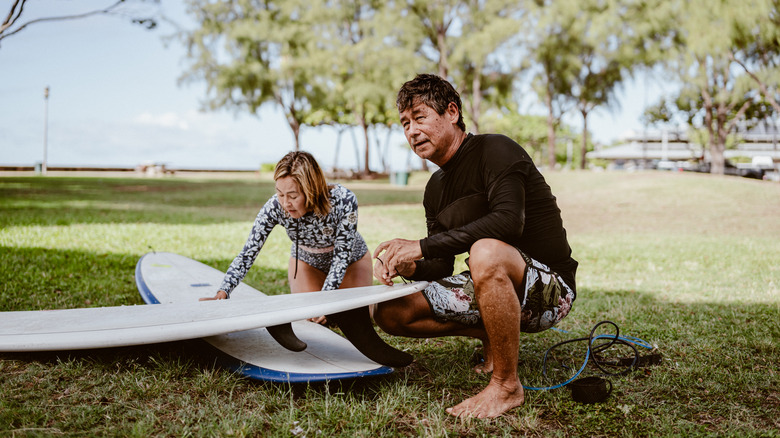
x: 731, y: 169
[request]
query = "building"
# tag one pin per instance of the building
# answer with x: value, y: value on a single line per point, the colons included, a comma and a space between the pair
x: 672, y: 149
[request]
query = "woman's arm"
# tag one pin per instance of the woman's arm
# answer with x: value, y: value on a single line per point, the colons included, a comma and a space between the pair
x: 346, y: 213
x: 268, y: 217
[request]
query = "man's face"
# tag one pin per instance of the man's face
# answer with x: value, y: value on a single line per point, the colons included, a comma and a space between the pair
x: 430, y: 134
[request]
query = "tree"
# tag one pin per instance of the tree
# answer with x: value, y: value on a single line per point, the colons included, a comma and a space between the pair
x: 254, y: 52
x: 366, y: 54
x: 482, y: 57
x: 552, y: 80
x: 435, y: 18
x: 586, y: 49
x: 613, y: 42
x: 756, y: 46
x: 714, y: 95
x: 12, y: 25
x: 470, y: 43
x: 529, y: 131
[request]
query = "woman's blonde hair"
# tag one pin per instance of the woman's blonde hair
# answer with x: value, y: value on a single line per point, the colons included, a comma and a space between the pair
x: 305, y: 171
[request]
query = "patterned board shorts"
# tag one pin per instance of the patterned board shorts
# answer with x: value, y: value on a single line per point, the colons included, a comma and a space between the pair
x: 546, y: 299
x: 322, y: 258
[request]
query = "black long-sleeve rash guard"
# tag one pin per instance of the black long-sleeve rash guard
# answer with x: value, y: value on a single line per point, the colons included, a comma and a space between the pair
x: 491, y: 188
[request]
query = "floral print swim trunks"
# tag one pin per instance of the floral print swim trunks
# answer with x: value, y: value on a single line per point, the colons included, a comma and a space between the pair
x: 545, y: 300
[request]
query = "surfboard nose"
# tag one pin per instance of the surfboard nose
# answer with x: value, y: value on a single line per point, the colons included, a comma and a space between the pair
x: 359, y: 330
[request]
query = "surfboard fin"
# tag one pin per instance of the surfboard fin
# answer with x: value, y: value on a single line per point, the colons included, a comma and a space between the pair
x: 285, y: 336
x: 359, y: 330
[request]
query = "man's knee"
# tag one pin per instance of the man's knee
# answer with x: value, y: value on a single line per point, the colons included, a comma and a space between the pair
x: 492, y: 259
x: 493, y: 254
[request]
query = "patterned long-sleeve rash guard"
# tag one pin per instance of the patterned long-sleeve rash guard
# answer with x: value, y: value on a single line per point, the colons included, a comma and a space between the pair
x: 337, y: 230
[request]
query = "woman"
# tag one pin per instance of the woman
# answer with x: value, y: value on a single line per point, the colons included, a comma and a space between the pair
x: 321, y: 220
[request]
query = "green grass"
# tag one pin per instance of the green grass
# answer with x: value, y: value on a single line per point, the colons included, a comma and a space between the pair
x: 690, y: 263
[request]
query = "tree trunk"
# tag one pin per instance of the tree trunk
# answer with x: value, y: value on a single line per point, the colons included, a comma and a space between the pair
x: 364, y: 126
x: 717, y: 160
x: 476, y: 101
x: 720, y: 140
x: 357, y: 150
x: 340, y: 132
x: 584, y: 147
x: 296, y: 131
x: 550, y: 129
x: 292, y: 120
x: 441, y: 46
x: 386, y: 149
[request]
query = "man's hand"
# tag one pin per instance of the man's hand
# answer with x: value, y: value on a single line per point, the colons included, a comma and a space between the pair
x: 396, y: 257
x: 382, y: 274
x: 221, y: 295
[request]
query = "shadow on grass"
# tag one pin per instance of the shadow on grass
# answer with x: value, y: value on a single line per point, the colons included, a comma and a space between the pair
x: 717, y: 361
x: 66, y: 201
x: 41, y: 279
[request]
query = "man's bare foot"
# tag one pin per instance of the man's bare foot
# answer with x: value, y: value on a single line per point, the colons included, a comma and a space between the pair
x: 487, y: 360
x: 493, y: 401
x: 485, y: 367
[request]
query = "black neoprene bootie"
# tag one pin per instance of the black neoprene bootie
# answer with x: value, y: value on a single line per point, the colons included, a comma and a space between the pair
x: 358, y: 328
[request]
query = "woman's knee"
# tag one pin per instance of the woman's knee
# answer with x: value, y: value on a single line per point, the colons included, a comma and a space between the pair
x: 359, y: 273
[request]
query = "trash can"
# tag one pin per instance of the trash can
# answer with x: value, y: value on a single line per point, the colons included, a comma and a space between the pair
x: 401, y: 178
x: 38, y: 168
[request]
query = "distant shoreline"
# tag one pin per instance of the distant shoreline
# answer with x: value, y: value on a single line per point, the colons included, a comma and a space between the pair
x: 23, y: 168
x: 157, y: 171
x: 127, y: 172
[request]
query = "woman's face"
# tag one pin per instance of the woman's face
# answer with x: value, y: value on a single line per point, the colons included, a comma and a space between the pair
x: 290, y: 196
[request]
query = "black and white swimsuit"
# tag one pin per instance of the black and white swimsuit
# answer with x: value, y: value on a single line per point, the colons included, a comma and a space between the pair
x: 330, y: 243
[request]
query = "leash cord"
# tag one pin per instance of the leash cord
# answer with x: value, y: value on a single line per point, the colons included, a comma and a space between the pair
x: 592, y: 353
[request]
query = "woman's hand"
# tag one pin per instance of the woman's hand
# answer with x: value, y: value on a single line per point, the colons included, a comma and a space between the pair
x: 221, y: 295
x: 321, y: 320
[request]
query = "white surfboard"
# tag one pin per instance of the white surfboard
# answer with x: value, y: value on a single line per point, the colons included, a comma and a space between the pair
x: 100, y: 327
x: 171, y: 278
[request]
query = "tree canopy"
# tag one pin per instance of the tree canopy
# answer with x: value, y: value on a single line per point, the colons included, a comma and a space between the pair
x: 340, y: 62
x: 725, y: 57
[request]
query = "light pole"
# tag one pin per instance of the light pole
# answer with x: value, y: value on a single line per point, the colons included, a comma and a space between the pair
x: 45, y: 127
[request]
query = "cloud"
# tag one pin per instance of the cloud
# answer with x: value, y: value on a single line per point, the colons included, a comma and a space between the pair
x: 165, y: 120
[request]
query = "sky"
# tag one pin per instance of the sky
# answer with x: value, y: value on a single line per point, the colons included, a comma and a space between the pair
x: 116, y: 100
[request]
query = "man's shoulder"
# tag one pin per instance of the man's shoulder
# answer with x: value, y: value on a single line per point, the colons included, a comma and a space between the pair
x: 494, y: 140
x: 435, y: 178
x: 497, y: 150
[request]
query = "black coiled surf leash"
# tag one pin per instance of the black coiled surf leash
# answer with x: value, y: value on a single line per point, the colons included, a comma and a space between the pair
x: 594, y: 348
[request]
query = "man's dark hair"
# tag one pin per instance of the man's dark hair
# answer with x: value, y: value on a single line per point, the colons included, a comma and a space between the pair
x: 432, y: 91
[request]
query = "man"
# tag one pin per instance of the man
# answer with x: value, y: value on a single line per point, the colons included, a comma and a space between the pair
x: 487, y: 199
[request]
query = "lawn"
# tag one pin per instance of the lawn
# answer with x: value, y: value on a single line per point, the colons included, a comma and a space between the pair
x: 687, y: 262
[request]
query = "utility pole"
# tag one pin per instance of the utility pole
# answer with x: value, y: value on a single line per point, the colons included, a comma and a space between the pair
x: 45, y: 128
